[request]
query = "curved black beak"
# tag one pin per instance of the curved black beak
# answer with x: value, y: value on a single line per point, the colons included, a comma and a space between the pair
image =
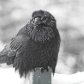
x: 37, y: 19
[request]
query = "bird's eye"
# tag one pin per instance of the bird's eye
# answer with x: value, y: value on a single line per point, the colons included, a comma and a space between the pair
x: 44, y: 18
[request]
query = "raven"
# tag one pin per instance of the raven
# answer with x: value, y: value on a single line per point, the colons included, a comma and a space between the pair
x: 36, y: 45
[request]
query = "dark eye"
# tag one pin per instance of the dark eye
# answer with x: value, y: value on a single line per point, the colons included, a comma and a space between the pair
x: 44, y: 18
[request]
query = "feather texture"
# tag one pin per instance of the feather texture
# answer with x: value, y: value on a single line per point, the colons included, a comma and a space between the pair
x: 35, y: 46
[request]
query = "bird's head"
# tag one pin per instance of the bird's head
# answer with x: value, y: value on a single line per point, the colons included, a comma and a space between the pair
x: 43, y: 26
x: 43, y: 19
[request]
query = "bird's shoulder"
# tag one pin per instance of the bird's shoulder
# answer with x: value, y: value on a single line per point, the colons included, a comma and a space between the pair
x: 24, y: 30
x: 17, y: 43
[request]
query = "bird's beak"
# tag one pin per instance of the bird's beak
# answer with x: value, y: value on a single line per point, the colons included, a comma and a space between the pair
x: 37, y: 19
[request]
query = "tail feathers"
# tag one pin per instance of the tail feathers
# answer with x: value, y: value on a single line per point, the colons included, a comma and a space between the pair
x: 3, y: 59
x: 6, y: 59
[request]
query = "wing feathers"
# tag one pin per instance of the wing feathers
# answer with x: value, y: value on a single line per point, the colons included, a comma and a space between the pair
x: 13, y: 49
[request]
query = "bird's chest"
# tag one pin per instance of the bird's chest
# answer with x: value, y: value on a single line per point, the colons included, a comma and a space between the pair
x: 38, y: 50
x: 39, y: 47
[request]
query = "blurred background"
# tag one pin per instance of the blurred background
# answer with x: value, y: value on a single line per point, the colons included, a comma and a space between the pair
x: 14, y: 14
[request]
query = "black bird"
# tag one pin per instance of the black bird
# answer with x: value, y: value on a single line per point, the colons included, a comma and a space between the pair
x: 35, y: 46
